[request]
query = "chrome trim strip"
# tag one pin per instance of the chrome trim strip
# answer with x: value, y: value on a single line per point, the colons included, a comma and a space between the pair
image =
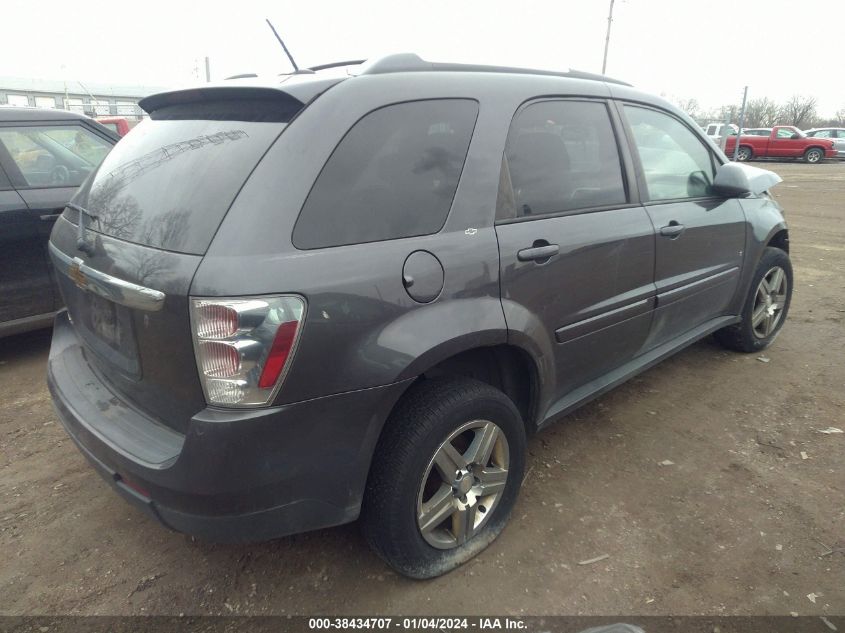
x: 117, y: 290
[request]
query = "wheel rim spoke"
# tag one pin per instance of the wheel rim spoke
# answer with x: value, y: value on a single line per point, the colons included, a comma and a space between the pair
x: 463, y: 523
x: 448, y: 462
x: 481, y: 449
x: 492, y: 479
x: 769, y: 324
x: 758, y: 315
x: 437, y: 510
x: 775, y: 281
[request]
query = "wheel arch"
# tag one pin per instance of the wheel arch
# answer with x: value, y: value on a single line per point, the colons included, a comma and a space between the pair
x: 779, y: 238
x: 507, y: 367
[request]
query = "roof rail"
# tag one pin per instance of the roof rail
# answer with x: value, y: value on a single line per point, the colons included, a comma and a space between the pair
x: 411, y: 62
x: 354, y: 62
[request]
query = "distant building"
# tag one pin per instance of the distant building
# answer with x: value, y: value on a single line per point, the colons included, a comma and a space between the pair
x: 93, y: 99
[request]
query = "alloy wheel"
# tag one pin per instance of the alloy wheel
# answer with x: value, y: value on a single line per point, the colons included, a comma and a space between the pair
x: 463, y: 483
x: 769, y: 302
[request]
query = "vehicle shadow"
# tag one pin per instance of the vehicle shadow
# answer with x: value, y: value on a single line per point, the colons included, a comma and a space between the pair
x: 27, y: 346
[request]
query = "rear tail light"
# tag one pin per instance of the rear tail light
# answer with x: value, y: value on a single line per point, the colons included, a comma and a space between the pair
x: 244, y: 346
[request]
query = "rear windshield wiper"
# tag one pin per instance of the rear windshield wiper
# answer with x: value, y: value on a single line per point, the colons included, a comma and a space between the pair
x: 81, y: 243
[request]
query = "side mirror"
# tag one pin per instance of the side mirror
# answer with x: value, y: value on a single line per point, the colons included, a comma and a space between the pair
x: 796, y: 135
x: 736, y: 179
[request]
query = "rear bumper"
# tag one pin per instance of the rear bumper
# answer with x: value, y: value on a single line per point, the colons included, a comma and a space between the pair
x: 236, y: 475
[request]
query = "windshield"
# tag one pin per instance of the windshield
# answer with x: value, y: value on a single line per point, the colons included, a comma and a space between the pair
x: 170, y: 183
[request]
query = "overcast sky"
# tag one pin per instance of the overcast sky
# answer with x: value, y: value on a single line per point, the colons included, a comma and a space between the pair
x: 707, y: 50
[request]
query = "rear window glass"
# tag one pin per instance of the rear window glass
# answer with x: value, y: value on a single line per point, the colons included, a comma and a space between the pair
x: 170, y: 183
x: 393, y: 175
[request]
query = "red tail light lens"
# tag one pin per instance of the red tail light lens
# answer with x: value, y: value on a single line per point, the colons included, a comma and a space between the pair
x: 245, y: 346
x: 279, y: 351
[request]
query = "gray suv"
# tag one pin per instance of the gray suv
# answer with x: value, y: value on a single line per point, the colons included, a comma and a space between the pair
x: 293, y: 305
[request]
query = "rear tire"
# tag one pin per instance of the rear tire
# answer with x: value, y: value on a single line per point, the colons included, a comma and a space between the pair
x: 766, y: 306
x: 743, y: 154
x: 420, y: 521
x: 813, y: 155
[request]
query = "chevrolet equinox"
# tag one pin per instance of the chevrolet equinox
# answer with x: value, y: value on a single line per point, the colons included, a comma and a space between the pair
x: 294, y: 304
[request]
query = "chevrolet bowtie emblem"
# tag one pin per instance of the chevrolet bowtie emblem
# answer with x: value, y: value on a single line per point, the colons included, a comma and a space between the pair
x: 76, y: 275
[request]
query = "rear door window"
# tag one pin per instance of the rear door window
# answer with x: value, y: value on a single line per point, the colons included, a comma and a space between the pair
x: 562, y: 156
x: 393, y: 175
x: 54, y: 155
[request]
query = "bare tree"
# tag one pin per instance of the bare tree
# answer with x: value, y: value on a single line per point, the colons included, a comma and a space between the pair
x: 690, y: 106
x: 761, y: 112
x: 799, y: 111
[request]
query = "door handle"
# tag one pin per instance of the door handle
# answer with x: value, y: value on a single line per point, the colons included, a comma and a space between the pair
x: 538, y: 252
x: 673, y: 230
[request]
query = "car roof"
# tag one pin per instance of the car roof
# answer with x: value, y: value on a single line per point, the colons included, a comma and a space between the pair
x: 38, y: 114
x: 306, y: 84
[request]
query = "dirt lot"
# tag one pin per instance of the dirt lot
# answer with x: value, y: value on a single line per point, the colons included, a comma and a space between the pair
x: 742, y: 522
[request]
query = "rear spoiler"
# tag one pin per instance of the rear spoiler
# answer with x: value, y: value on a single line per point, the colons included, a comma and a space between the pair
x: 292, y: 93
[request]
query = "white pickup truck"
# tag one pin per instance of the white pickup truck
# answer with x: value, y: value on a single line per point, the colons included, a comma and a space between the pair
x: 714, y: 131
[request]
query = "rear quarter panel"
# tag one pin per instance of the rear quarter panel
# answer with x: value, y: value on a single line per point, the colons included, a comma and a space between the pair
x: 362, y: 329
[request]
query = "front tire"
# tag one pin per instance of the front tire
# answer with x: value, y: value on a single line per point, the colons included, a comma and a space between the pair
x: 813, y: 155
x: 766, y: 306
x: 445, y: 476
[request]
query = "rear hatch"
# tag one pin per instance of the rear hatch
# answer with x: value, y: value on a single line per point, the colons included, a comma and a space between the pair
x: 149, y: 214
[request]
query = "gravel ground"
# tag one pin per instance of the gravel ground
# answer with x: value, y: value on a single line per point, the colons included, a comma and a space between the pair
x: 742, y: 521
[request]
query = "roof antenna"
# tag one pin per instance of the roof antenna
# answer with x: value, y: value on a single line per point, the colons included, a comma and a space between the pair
x: 287, y: 52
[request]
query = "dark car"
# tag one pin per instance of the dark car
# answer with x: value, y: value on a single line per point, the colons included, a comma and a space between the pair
x: 44, y: 156
x: 330, y: 297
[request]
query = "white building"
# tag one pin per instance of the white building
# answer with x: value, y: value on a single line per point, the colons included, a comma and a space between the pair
x: 93, y: 99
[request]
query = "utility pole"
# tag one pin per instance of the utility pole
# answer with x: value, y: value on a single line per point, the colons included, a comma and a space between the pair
x: 741, y: 122
x: 607, y: 38
x: 207, y: 70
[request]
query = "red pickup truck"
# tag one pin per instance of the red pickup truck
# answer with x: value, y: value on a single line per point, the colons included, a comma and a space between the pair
x: 785, y: 141
x: 118, y: 125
